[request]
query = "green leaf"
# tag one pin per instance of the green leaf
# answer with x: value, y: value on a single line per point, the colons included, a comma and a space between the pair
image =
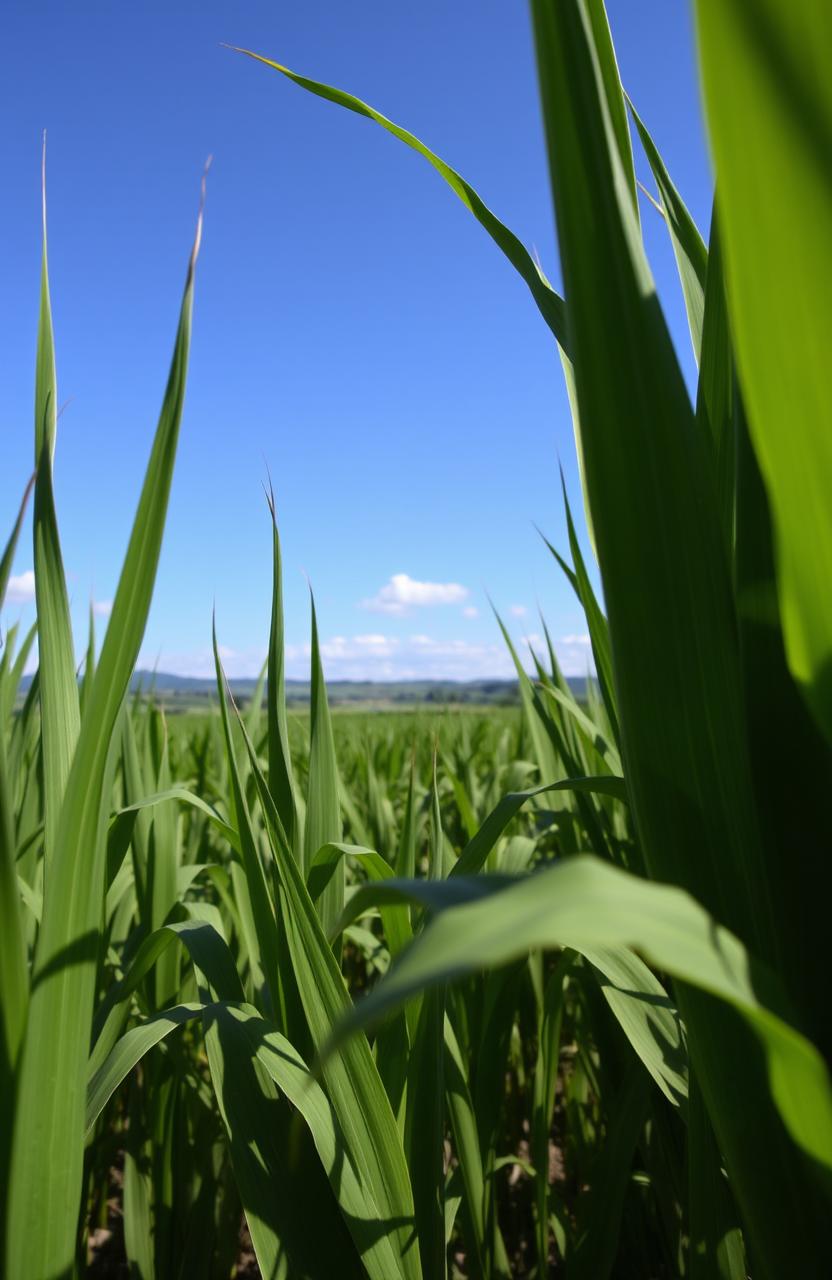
x: 717, y: 399
x: 584, y: 904
x: 406, y: 851
x: 13, y: 970
x: 668, y: 592
x: 277, y: 1057
x: 592, y: 733
x: 185, y: 796
x: 791, y: 768
x: 323, y: 810
x: 264, y: 945
x: 613, y: 93
x: 473, y: 856
x: 550, y: 304
x: 768, y: 98
x: 352, y: 1079
x: 129, y: 1050
x: 463, y: 1122
x: 47, y: 1153
x: 647, y: 1017
x: 663, y: 565
x: 688, y: 246
x: 138, y: 1198
x: 396, y: 920
x: 599, y: 632
x: 295, y: 1227
x: 281, y: 776
x: 60, y: 714
x: 244, y: 1037
x: 209, y: 955
x: 425, y: 1115
x: 550, y: 1004
x: 165, y: 866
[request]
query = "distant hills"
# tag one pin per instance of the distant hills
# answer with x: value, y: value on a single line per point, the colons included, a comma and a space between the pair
x: 184, y: 692
x: 353, y: 692
x: 193, y: 690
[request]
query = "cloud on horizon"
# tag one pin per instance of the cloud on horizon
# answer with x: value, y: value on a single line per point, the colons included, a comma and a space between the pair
x: 377, y: 656
x: 403, y: 593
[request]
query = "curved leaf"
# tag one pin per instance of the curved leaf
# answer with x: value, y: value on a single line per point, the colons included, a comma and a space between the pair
x: 550, y: 303
x: 583, y: 903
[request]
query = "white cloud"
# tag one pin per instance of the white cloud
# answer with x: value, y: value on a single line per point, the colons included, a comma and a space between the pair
x: 377, y: 656
x: 403, y: 593
x: 238, y: 664
x: 518, y: 610
x: 575, y: 655
x: 102, y: 607
x: 470, y: 612
x: 21, y: 589
x: 414, y: 657
x: 368, y: 647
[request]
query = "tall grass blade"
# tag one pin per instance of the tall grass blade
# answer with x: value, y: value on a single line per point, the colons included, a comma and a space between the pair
x: 717, y: 397
x: 352, y: 1079
x: 425, y: 1121
x: 323, y: 808
x: 47, y: 1154
x: 13, y: 975
x: 60, y: 715
x: 768, y: 98
x: 281, y: 776
x: 549, y: 302
x: 689, y: 248
x: 14, y: 986
x: 668, y: 592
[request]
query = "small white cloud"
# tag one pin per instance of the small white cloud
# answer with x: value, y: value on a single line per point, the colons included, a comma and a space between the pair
x: 367, y: 647
x: 470, y: 611
x: 103, y: 608
x: 413, y: 657
x: 518, y: 610
x: 238, y: 664
x: 575, y: 655
x: 403, y: 593
x: 21, y: 589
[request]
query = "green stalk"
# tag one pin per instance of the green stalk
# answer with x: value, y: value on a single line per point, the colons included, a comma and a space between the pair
x: 47, y: 1151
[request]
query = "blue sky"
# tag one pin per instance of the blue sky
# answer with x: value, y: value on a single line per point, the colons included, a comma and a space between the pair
x: 355, y: 331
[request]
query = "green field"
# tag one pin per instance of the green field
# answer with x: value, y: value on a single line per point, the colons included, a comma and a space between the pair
x: 471, y: 991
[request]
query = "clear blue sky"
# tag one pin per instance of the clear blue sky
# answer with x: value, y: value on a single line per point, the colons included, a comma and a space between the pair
x: 355, y: 330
